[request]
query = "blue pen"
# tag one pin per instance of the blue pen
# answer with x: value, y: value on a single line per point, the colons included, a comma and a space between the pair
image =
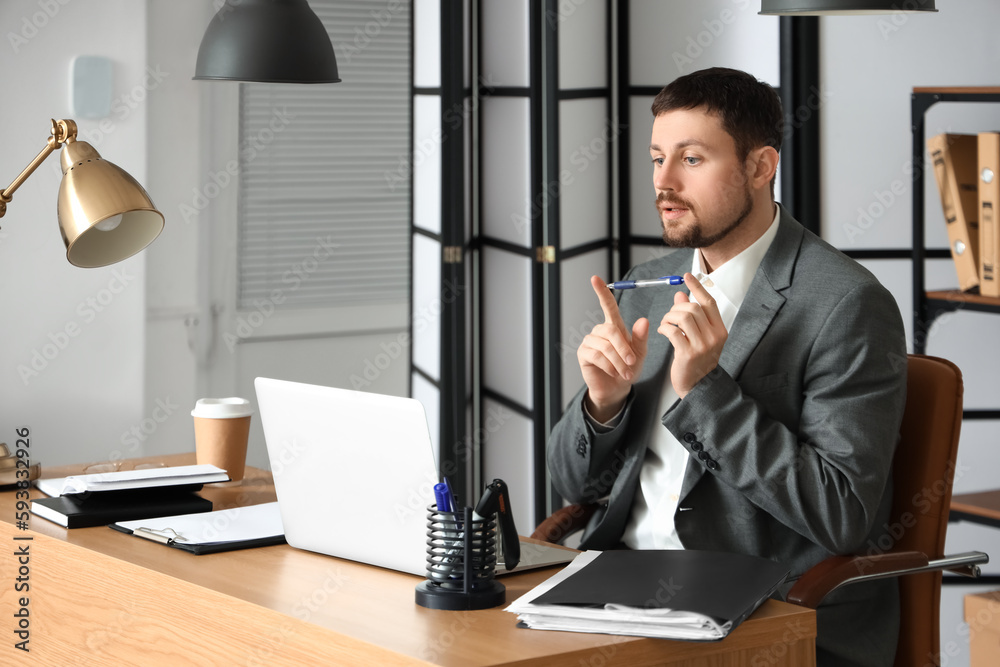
x: 651, y: 282
x: 445, y: 503
x: 442, y: 495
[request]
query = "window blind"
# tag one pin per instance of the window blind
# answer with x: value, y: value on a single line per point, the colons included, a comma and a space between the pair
x: 324, y: 171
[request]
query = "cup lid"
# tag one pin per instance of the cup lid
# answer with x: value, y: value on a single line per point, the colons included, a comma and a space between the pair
x: 222, y: 408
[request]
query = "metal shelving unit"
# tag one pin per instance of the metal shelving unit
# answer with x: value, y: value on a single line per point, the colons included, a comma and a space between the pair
x: 929, y: 305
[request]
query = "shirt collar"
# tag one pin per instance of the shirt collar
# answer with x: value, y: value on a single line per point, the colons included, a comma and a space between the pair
x: 734, y: 277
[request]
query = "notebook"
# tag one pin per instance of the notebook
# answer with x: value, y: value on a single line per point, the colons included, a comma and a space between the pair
x: 354, y: 473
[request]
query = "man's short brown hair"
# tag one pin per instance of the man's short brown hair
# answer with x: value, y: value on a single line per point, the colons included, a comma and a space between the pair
x: 750, y: 110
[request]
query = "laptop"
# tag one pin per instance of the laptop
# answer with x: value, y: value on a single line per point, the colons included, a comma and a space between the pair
x: 354, y: 473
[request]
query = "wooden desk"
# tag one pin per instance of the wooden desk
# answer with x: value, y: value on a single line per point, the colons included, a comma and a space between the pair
x: 100, y: 597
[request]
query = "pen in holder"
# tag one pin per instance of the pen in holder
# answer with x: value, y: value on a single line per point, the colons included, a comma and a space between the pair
x: 461, y: 562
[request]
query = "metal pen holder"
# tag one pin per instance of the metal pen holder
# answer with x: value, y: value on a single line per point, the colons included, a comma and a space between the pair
x: 461, y: 562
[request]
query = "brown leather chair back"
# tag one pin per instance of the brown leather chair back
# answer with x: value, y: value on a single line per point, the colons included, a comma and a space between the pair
x: 923, y: 471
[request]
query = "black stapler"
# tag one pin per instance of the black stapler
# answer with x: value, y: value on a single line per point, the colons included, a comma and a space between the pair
x: 496, y: 499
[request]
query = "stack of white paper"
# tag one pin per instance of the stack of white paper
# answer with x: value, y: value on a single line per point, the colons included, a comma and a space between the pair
x: 133, y: 479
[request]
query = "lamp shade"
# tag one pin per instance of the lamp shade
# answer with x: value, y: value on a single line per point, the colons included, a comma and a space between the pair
x: 274, y: 41
x: 105, y: 216
x: 835, y: 7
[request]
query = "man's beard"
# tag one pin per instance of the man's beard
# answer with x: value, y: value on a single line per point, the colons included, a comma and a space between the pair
x: 694, y: 235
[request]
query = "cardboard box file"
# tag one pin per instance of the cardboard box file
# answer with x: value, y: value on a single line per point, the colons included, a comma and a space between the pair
x: 955, y: 165
x: 982, y: 613
x: 989, y: 201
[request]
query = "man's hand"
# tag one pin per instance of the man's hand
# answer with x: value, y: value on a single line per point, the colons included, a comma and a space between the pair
x: 697, y: 333
x: 611, y: 356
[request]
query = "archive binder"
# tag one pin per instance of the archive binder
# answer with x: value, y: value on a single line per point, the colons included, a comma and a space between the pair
x: 955, y: 163
x: 989, y: 200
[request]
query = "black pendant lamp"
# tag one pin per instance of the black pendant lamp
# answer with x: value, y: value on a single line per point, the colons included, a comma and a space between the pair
x: 843, y: 7
x: 271, y: 41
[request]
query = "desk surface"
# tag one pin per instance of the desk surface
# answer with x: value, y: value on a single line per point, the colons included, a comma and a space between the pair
x: 98, y: 596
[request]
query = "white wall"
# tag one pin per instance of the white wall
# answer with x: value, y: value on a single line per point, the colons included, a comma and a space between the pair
x: 869, y: 67
x: 192, y: 312
x: 177, y: 109
x: 73, y: 342
x: 123, y: 384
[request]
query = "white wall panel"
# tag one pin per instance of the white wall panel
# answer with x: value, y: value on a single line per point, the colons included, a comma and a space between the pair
x: 507, y: 326
x: 426, y: 160
x: 506, y: 169
x: 504, y: 43
x: 585, y: 148
x: 581, y: 312
x: 583, y: 44
x: 643, y: 200
x: 427, y: 305
x: 429, y: 397
x: 669, y: 38
x: 427, y: 43
x: 506, y: 440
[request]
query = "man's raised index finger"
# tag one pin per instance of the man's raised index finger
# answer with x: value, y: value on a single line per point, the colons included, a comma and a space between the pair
x: 608, y: 303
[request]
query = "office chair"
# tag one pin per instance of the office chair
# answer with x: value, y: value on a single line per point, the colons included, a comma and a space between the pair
x: 923, y: 470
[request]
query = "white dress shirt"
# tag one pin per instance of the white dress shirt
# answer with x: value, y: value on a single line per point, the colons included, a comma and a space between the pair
x: 651, y: 524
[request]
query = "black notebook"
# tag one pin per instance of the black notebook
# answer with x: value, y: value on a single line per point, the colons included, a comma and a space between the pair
x: 99, y: 509
x: 629, y: 592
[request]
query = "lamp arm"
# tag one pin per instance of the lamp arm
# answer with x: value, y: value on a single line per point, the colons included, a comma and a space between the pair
x: 62, y: 132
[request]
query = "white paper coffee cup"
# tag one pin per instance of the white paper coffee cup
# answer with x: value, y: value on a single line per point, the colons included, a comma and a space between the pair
x: 221, y: 430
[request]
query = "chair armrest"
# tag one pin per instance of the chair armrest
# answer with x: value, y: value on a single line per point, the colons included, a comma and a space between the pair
x: 836, y: 571
x: 564, y: 522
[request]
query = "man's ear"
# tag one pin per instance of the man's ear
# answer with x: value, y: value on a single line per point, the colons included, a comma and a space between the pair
x: 763, y: 165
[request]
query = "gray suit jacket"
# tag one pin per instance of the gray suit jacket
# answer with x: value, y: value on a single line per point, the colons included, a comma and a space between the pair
x: 791, y: 436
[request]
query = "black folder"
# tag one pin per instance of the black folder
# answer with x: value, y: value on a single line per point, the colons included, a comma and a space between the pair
x: 727, y: 587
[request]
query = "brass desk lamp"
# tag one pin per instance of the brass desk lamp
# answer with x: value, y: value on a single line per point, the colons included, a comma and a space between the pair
x: 105, y: 216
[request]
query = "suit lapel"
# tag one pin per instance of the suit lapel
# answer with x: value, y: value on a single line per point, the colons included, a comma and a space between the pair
x: 760, y: 306
x: 764, y: 298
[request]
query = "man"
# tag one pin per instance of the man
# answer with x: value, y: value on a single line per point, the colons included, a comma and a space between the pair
x: 755, y: 408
